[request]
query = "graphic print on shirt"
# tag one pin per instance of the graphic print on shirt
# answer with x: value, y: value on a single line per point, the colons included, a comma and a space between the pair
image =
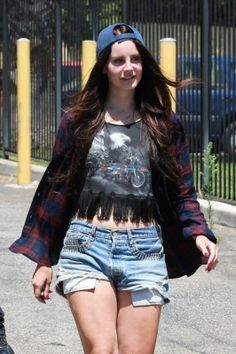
x: 118, y: 162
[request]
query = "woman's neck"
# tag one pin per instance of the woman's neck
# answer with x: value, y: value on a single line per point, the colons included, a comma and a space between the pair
x: 117, y: 99
x: 120, y: 109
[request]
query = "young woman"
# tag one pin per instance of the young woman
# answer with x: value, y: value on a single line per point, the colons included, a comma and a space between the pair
x: 116, y: 205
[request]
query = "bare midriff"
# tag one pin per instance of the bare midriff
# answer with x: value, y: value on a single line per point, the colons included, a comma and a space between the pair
x: 111, y: 224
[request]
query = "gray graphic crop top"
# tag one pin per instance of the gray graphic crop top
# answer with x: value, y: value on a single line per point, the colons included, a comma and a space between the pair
x: 118, y: 176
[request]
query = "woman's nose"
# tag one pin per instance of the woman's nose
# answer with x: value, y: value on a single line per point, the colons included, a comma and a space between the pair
x: 128, y: 68
x: 128, y: 65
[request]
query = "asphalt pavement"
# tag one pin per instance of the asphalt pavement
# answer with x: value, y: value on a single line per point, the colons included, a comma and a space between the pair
x: 199, y: 319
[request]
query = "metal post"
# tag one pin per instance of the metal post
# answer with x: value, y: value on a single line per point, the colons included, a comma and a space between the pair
x: 5, y: 83
x: 125, y: 11
x: 206, y: 86
x: 88, y: 59
x: 94, y: 15
x: 58, y: 62
x: 206, y: 71
x: 168, y: 64
x: 23, y: 111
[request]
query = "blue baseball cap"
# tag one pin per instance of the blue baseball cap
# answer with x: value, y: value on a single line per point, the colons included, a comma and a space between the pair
x: 107, y: 36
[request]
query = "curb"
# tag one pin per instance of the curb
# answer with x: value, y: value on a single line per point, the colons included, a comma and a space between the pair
x: 9, y: 168
x: 222, y: 213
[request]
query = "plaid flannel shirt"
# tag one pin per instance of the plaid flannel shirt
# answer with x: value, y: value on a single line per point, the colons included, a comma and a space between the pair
x: 52, y: 208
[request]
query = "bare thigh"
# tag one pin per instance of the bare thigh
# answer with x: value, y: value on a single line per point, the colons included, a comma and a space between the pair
x: 137, y: 327
x: 95, y: 314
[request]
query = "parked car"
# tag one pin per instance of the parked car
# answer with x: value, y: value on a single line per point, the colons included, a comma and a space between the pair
x: 222, y: 102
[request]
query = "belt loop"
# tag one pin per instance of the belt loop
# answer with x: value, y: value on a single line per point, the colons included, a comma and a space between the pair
x: 93, y: 231
x: 130, y: 236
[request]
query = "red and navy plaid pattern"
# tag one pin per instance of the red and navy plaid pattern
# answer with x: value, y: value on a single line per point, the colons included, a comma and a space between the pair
x: 52, y: 208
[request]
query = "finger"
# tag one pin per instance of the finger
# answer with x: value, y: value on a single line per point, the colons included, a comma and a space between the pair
x: 47, y: 292
x: 210, y: 263
x: 213, y: 251
x: 210, y: 267
x: 38, y: 290
x: 39, y: 295
x: 212, y: 260
x: 215, y: 264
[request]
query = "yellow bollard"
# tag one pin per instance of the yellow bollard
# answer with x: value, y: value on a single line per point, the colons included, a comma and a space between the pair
x: 88, y: 59
x: 168, y: 64
x: 23, y: 111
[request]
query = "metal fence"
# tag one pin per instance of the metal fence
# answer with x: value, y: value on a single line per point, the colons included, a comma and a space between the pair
x: 205, y: 33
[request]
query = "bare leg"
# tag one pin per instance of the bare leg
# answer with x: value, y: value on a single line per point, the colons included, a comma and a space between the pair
x: 95, y: 314
x: 137, y: 327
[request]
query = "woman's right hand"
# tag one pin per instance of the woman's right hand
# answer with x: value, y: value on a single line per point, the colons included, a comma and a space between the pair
x: 41, y: 282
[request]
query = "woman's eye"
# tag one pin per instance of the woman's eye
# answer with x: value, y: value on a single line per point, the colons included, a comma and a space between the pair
x: 136, y: 59
x: 118, y: 61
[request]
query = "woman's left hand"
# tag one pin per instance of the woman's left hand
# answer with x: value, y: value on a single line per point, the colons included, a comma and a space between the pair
x: 209, y: 251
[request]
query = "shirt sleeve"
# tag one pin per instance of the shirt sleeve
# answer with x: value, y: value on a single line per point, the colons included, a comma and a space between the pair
x: 50, y: 210
x: 185, y: 202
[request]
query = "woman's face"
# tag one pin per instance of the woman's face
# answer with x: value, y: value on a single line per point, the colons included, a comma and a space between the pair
x: 124, y: 67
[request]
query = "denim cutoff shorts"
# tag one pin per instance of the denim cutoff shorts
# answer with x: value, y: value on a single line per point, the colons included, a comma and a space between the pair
x: 131, y: 259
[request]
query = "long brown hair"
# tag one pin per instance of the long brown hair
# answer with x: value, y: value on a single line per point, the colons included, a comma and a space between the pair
x: 153, y: 102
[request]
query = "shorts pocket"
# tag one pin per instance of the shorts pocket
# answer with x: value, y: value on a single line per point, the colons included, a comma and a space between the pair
x: 76, y: 240
x: 149, y: 247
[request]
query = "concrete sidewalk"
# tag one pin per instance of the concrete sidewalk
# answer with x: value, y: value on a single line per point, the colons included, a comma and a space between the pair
x: 199, y: 319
